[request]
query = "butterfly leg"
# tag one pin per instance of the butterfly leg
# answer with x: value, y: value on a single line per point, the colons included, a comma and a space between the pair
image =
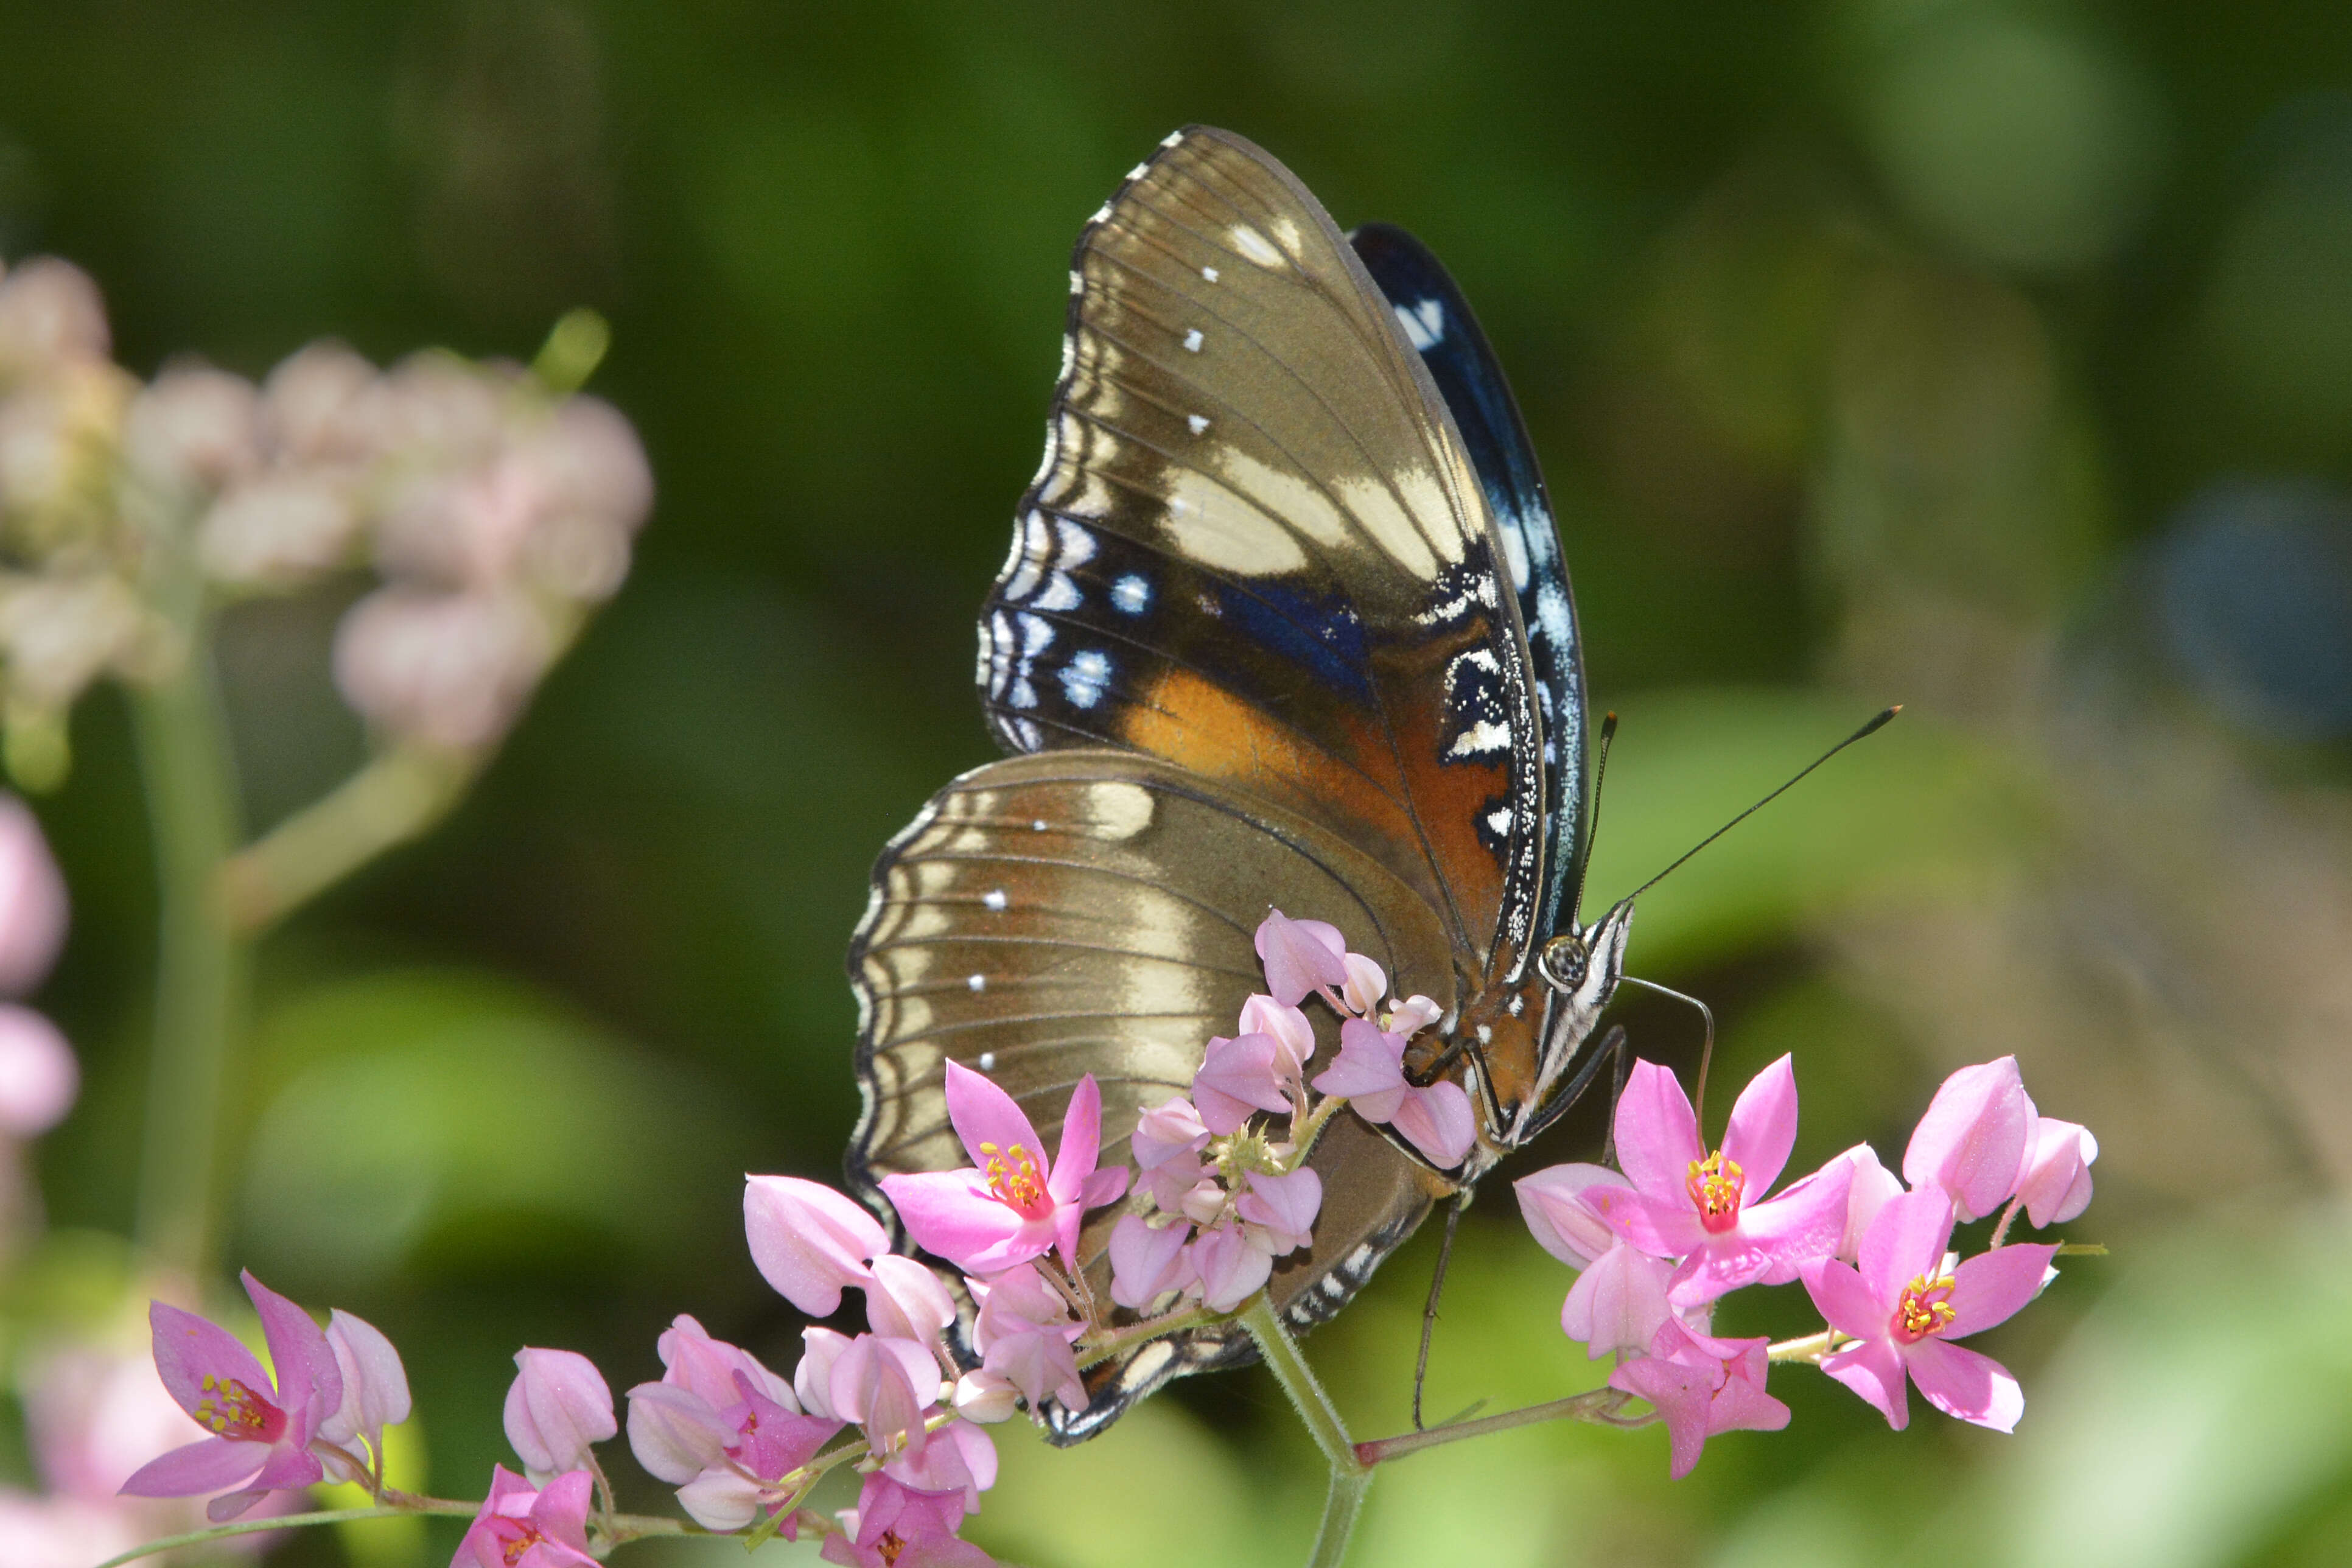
x: 1436, y: 1287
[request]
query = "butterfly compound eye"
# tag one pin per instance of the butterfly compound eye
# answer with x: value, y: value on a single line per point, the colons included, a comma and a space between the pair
x: 1563, y: 961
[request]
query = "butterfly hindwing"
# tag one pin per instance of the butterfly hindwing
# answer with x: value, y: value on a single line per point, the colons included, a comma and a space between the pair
x: 1258, y: 548
x: 1438, y: 322
x: 1081, y: 912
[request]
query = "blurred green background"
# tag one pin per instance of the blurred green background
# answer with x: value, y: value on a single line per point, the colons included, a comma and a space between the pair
x: 1995, y: 358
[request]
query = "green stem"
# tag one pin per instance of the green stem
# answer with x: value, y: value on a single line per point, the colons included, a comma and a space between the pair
x: 192, y: 811
x: 393, y: 798
x: 1350, y: 1476
x: 283, y: 1521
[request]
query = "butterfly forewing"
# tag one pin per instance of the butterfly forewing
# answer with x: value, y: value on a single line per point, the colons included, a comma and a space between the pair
x: 1085, y: 911
x: 1257, y: 547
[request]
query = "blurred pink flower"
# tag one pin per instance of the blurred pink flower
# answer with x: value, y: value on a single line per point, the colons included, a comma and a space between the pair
x: 62, y: 1532
x: 193, y: 428
x: 1023, y: 1334
x: 1702, y: 1387
x: 520, y: 1528
x: 1370, y: 1072
x: 38, y: 1075
x: 33, y: 905
x: 1698, y: 1207
x: 1008, y: 1208
x: 50, y: 314
x: 278, y: 529
x: 809, y: 1241
x: 315, y: 409
x: 1972, y: 1141
x: 2056, y: 1180
x: 557, y: 1407
x: 261, y: 1430
x: 1300, y: 956
x: 895, y: 1526
x: 1903, y: 1309
x: 447, y: 670
x: 375, y: 1385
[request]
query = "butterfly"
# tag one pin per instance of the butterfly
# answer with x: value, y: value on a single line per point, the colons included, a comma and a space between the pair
x: 1284, y: 623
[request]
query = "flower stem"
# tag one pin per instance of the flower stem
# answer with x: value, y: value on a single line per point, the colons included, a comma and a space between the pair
x: 393, y: 799
x: 1109, y: 1345
x: 1811, y: 1348
x: 1600, y: 1406
x: 192, y: 810
x: 284, y: 1521
x: 1350, y: 1476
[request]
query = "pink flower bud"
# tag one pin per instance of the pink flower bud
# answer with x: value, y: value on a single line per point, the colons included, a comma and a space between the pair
x: 1024, y: 1333
x: 375, y: 1385
x: 906, y: 1301
x: 557, y: 1406
x: 1284, y: 1208
x: 986, y: 1396
x: 1231, y: 1269
x: 1874, y: 1184
x: 813, y: 1379
x: 1294, y: 1035
x: 1300, y: 956
x: 707, y: 1367
x: 1617, y: 1304
x: 1236, y: 1078
x: 1366, y: 987
x: 50, y: 314
x: 1147, y: 1261
x: 1165, y: 1132
x: 194, y: 428
x: 1413, y: 1015
x: 1556, y: 1215
x: 32, y: 900
x: 38, y: 1075
x: 277, y: 530
x: 2056, y: 1182
x: 314, y: 408
x: 450, y: 670
x: 1971, y: 1142
x: 809, y: 1241
x: 677, y: 1434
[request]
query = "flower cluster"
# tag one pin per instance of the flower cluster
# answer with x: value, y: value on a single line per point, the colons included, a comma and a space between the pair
x: 38, y: 1075
x: 1683, y: 1225
x: 495, y: 508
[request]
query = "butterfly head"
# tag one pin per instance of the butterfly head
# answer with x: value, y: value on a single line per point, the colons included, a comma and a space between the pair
x: 1580, y: 970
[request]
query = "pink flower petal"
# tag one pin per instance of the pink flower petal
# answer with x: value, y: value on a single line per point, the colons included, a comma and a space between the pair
x: 952, y: 1215
x: 287, y: 1469
x: 1293, y: 1033
x: 821, y: 1351
x: 309, y: 1382
x: 1873, y: 1371
x: 1907, y: 1240
x: 1617, y: 1304
x: 188, y: 1349
x: 1804, y: 1222
x: 1972, y: 1141
x: 1300, y: 956
x: 1844, y: 1300
x: 1413, y: 1015
x: 1366, y: 987
x: 561, y: 1510
x: 1659, y: 1226
x: 38, y: 1074
x: 1285, y: 1205
x: 1146, y: 1262
x: 1165, y: 1132
x: 1369, y: 1070
x: 1716, y: 1267
x: 1551, y: 1203
x: 692, y: 1360
x: 1657, y: 1134
x: 375, y: 1385
x: 907, y: 1301
x: 984, y: 1114
x: 1438, y: 1122
x: 1873, y: 1184
x: 1682, y: 1394
x: 199, y: 1467
x: 1236, y: 1078
x: 1960, y: 1383
x: 1742, y: 1405
x: 1988, y: 1288
x: 1231, y: 1269
x: 557, y: 1406
x: 1763, y: 1126
x: 809, y: 1241
x: 1105, y: 1187
x: 675, y: 1433
x: 1081, y: 1147
x: 2056, y: 1180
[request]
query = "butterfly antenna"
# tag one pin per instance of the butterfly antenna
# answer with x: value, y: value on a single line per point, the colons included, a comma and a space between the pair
x: 1872, y: 727
x: 1592, y: 828
x: 1705, y: 1051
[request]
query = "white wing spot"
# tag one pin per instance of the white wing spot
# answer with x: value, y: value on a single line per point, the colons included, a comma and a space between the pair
x: 1102, y: 213
x: 1485, y: 1031
x: 1085, y: 677
x: 1210, y: 273
x: 1197, y: 422
x: 1038, y: 825
x: 1192, y: 340
x: 1172, y: 139
x: 1138, y: 171
x: 1481, y: 738
x: 1077, y: 281
x: 986, y: 1061
x: 1254, y: 246
x: 1131, y: 594
x: 978, y: 982
x: 1424, y: 323
x: 1500, y: 821
x: 994, y: 898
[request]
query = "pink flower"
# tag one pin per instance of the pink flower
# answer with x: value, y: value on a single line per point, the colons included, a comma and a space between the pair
x: 1293, y: 1033
x: 885, y: 1385
x: 2056, y: 1180
x: 808, y: 1241
x: 1690, y: 1204
x: 32, y: 900
x: 375, y: 1385
x: 1023, y: 1334
x: 1279, y: 1211
x: 38, y: 1075
x: 906, y: 1301
x: 1618, y: 1301
x: 895, y: 1526
x: 1231, y: 1269
x: 1370, y: 1071
x: 520, y: 1528
x: 1702, y: 1386
x: 1904, y: 1308
x: 1972, y: 1141
x: 556, y: 1407
x: 1236, y: 1078
x: 1007, y: 1208
x: 720, y: 1426
x: 1166, y: 1143
x: 1147, y: 1261
x: 261, y: 1430
x: 1300, y: 956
